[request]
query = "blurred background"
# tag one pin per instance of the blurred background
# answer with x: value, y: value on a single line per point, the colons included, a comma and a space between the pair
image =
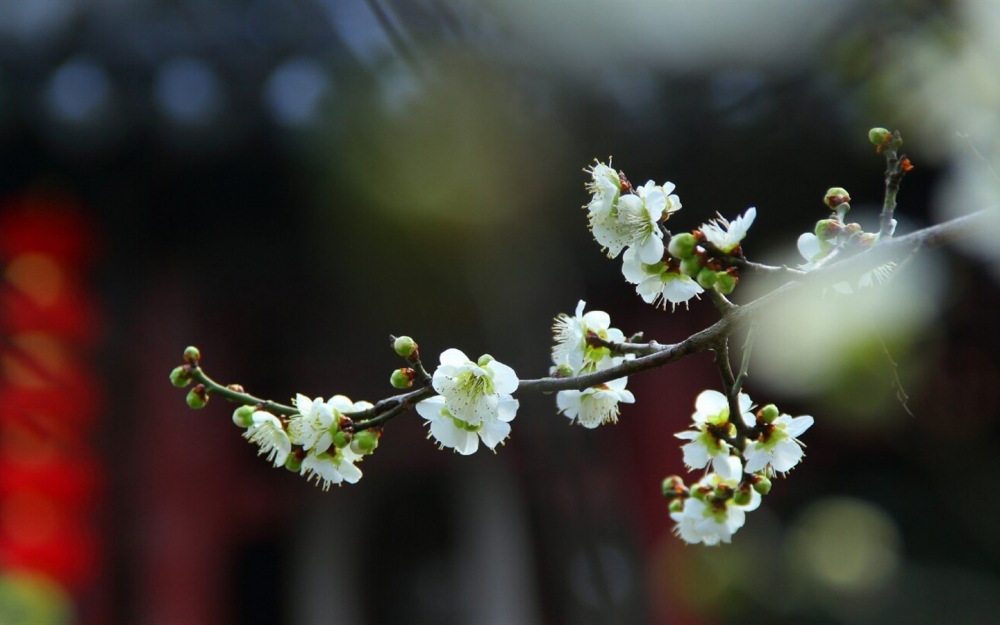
x: 284, y: 183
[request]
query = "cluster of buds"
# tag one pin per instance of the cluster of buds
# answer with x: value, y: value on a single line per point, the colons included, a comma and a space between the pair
x: 707, y: 253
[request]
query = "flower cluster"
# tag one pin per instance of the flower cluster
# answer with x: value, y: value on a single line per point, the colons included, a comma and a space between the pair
x: 743, y: 458
x: 474, y: 404
x: 581, y: 347
x: 621, y: 219
x: 313, y: 441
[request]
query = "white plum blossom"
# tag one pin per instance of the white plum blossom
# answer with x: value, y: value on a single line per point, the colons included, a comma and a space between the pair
x: 778, y: 446
x: 667, y: 189
x: 633, y: 223
x: 596, y: 405
x: 656, y: 284
x: 571, y: 338
x: 712, y: 415
x: 606, y: 186
x: 726, y: 235
x: 317, y: 422
x: 473, y: 390
x: 267, y: 432
x: 461, y: 436
x: 328, y: 469
x: 711, y: 520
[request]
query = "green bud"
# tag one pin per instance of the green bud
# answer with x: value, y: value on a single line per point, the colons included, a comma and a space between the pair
x: 341, y: 439
x: 682, y: 245
x: 484, y: 360
x: 853, y: 229
x: 191, y: 355
x: 828, y: 228
x: 293, y: 463
x: 243, y: 416
x: 742, y: 497
x: 690, y: 266
x: 404, y: 346
x: 835, y: 196
x: 768, y: 413
x: 364, y: 442
x: 180, y: 376
x: 677, y: 505
x: 706, y: 278
x: 402, y: 378
x: 878, y: 136
x: 672, y: 486
x: 197, y: 398
x: 563, y: 371
x: 762, y: 486
x: 724, y: 283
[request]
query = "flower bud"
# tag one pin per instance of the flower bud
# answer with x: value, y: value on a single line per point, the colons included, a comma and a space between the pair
x: 562, y: 371
x: 402, y: 378
x: 682, y: 245
x: 835, y: 196
x: 673, y: 486
x: 293, y: 463
x: 180, y: 376
x: 341, y: 439
x: 243, y: 416
x: 677, y: 505
x: 762, y: 486
x: 690, y: 266
x: 768, y: 413
x: 853, y: 229
x: 878, y: 136
x: 827, y: 229
x: 192, y: 355
x: 706, y: 278
x: 197, y: 398
x: 404, y: 346
x: 724, y: 283
x: 484, y: 360
x: 742, y: 496
x: 364, y: 442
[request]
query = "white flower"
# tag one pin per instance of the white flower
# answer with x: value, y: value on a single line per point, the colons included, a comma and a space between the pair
x: 633, y: 223
x: 814, y: 249
x: 596, y: 405
x: 473, y: 390
x: 606, y: 186
x: 712, y: 520
x: 778, y: 446
x: 656, y: 284
x: 667, y: 189
x: 267, y: 432
x: 571, y: 337
x: 711, y: 416
x: 334, y: 468
x: 317, y: 422
x: 726, y: 235
x: 459, y: 435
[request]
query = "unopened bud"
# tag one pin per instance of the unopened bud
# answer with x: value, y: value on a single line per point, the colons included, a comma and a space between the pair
x: 364, y: 442
x: 762, y: 486
x: 192, y: 355
x: 677, y: 505
x: 690, y: 266
x: 853, y: 229
x: 402, y: 378
x: 197, y: 397
x: 673, y: 486
x: 725, y: 283
x: 827, y: 229
x: 682, y: 245
x: 180, y: 376
x: 768, y: 413
x: 484, y: 360
x: 341, y: 439
x: 742, y: 496
x: 878, y: 136
x: 404, y: 346
x: 563, y: 371
x: 835, y: 196
x: 243, y: 416
x: 706, y: 278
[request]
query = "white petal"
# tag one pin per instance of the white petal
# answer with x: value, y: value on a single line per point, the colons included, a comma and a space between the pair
x: 756, y: 457
x: 597, y: 320
x: 798, y: 425
x: 430, y: 409
x: 808, y: 245
x: 786, y: 455
x: 340, y: 403
x: 504, y: 379
x: 507, y: 409
x: 710, y: 403
x: 454, y: 357
x: 568, y: 403
x: 651, y: 249
x: 349, y: 472
x: 727, y: 467
x: 494, y: 432
x: 695, y: 455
